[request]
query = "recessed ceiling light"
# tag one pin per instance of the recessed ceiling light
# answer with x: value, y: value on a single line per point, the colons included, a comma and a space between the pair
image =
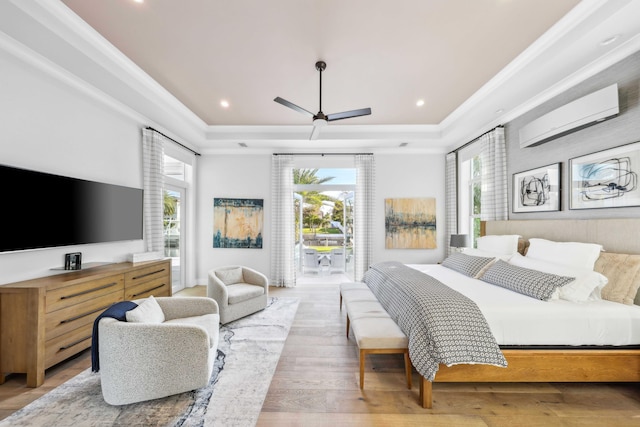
x: 609, y: 40
x: 420, y: 103
x: 224, y: 103
x: 139, y: 1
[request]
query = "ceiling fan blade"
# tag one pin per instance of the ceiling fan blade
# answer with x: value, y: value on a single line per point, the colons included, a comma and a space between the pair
x: 315, y: 133
x: 348, y: 114
x: 293, y: 106
x: 317, y: 124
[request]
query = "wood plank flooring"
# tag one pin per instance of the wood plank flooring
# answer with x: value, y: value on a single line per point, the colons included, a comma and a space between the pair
x: 316, y: 384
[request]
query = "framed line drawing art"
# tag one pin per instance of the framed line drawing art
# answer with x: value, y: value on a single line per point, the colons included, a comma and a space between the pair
x: 605, y: 179
x: 537, y: 190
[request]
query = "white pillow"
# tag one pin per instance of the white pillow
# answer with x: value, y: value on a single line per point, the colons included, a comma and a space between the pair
x: 504, y: 245
x: 148, y: 311
x: 485, y: 254
x: 571, y: 254
x: 586, y: 286
x: 230, y: 275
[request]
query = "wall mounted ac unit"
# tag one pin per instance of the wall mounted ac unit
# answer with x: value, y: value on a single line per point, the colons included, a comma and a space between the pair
x: 582, y: 112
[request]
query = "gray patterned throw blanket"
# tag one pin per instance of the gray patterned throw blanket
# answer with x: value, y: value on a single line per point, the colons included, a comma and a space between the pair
x: 443, y: 325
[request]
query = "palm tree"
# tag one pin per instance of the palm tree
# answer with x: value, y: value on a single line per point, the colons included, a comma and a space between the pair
x: 170, y: 208
x: 313, y: 198
x: 309, y: 176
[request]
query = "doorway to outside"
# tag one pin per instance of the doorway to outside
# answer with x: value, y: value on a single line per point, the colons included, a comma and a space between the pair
x: 323, y: 200
x: 176, y: 183
x: 173, y: 240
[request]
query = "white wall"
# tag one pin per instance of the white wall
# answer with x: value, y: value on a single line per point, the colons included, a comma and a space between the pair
x: 410, y: 176
x: 249, y: 176
x: 52, y: 127
x: 48, y: 126
x: 234, y: 176
x: 620, y: 130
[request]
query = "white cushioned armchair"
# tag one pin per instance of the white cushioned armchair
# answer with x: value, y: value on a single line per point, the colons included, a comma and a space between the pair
x: 148, y: 360
x: 239, y: 291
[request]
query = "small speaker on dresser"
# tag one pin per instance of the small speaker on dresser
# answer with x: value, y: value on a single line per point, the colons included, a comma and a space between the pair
x: 73, y: 261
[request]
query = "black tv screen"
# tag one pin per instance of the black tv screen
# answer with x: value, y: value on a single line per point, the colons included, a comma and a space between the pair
x: 42, y: 210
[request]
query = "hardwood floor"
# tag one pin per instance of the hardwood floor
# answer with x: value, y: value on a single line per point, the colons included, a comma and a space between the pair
x: 14, y: 393
x: 316, y: 384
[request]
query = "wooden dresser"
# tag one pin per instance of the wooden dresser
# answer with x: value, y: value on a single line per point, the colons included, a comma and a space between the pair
x: 46, y: 320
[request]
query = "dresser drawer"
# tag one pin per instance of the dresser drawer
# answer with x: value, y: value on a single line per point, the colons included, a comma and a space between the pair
x: 70, y: 318
x: 145, y: 274
x: 74, y: 294
x: 66, y: 345
x: 158, y: 288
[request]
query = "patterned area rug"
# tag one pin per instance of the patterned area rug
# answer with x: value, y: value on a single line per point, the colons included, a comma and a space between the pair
x: 248, y: 353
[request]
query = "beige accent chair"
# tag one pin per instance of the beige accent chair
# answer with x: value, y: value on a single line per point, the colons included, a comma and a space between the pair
x: 175, y: 353
x: 239, y: 291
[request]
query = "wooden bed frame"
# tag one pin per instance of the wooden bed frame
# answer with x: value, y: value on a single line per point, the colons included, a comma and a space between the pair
x: 544, y: 366
x: 580, y: 365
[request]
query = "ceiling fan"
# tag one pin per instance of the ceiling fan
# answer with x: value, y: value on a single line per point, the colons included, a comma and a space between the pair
x: 320, y: 119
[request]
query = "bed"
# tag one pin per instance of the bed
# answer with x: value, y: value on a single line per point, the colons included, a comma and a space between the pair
x: 587, y: 341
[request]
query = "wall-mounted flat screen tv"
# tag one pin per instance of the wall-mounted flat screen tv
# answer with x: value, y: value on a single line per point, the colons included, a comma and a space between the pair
x: 42, y: 210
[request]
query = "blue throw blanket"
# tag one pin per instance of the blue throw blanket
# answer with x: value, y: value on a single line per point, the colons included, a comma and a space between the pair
x: 117, y: 311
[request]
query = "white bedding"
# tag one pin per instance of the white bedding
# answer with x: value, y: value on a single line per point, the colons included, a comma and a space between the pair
x: 516, y: 319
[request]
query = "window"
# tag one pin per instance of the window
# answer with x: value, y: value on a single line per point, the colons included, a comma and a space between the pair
x: 174, y: 168
x: 469, y: 191
x: 176, y: 173
x: 475, y: 190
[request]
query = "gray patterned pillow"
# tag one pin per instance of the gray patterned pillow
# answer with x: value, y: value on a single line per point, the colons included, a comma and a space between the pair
x: 466, y: 264
x: 529, y: 282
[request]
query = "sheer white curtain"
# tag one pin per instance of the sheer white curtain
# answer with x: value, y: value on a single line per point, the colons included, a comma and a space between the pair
x: 153, y: 182
x: 451, y: 200
x: 493, y: 155
x: 364, y: 214
x: 283, y: 222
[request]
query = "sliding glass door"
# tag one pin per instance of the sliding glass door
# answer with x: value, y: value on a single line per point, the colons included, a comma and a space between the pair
x: 173, y: 237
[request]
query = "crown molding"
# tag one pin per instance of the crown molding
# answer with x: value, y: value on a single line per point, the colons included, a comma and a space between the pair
x: 558, y: 41
x: 134, y: 94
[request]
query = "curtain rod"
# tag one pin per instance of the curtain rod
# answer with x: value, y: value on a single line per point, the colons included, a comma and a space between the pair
x: 171, y: 139
x: 474, y: 139
x: 323, y: 154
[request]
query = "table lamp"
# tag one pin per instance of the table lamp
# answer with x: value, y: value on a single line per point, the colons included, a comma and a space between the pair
x: 459, y: 241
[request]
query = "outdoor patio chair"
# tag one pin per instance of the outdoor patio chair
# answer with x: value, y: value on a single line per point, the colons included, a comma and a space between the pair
x: 337, y: 260
x: 310, y: 261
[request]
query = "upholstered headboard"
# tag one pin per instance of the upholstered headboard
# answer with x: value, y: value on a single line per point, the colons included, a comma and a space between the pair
x: 615, y: 235
x: 620, y: 262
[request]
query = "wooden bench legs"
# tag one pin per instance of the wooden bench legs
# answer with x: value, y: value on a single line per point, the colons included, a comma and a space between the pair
x: 348, y: 326
x: 375, y: 332
x: 407, y: 361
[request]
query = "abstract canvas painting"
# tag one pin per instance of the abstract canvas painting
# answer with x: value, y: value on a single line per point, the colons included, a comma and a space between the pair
x: 606, y: 179
x: 537, y: 190
x: 410, y: 223
x: 237, y: 223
